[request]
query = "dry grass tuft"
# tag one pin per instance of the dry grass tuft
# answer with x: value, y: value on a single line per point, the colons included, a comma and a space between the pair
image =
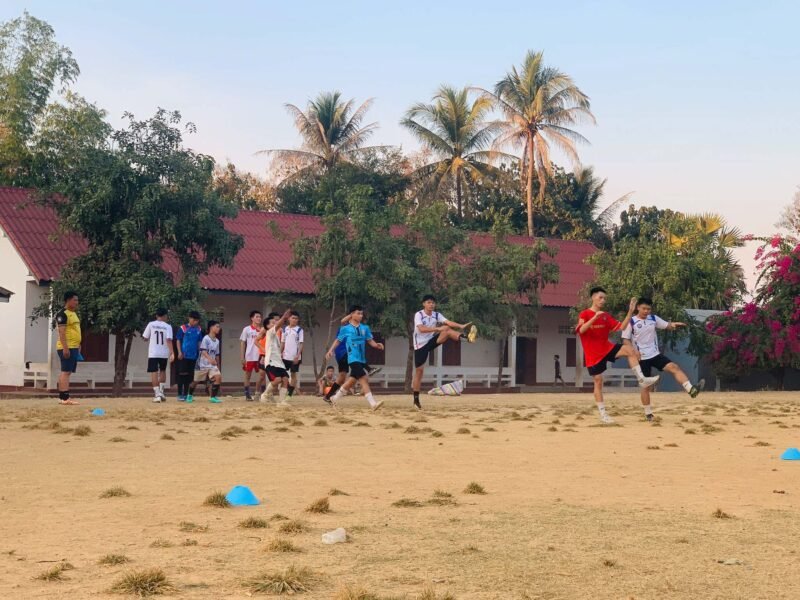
x: 167, y: 437
x: 112, y: 560
x: 117, y: 439
x: 115, y: 492
x: 352, y: 592
x: 201, y: 420
x: 320, y: 423
x: 337, y: 492
x: 437, y: 434
x: 321, y: 506
x: 362, y: 424
x: 217, y: 499
x: 161, y: 543
x: 254, y: 523
x: 671, y: 445
x: 144, y: 583
x: 489, y: 429
x: 474, y: 488
x: 256, y: 428
x: 291, y: 580
x: 278, y: 517
x: 282, y: 429
x: 293, y: 527
x: 429, y: 593
x: 189, y: 527
x: 294, y: 422
x: 689, y: 431
x: 463, y: 431
x: 232, y: 431
x: 412, y: 429
x: 609, y: 562
x: 188, y: 542
x: 392, y: 425
x: 654, y: 447
x: 720, y: 514
x: 281, y: 545
x: 55, y: 573
x: 762, y: 444
x: 82, y: 430
x: 407, y: 503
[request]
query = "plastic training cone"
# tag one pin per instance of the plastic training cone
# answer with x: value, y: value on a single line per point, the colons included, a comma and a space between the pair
x: 791, y: 454
x: 240, y: 495
x: 98, y: 412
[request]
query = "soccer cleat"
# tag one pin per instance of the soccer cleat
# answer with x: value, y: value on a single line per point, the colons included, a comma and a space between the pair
x: 649, y: 418
x: 374, y: 370
x: 327, y: 400
x: 157, y: 399
x: 189, y: 399
x: 696, y: 389
x: 283, y: 403
x: 215, y: 400
x: 605, y: 418
x: 377, y: 405
x: 248, y: 398
x: 264, y: 397
x: 181, y: 398
x: 417, y: 405
x: 471, y: 332
x: 646, y: 382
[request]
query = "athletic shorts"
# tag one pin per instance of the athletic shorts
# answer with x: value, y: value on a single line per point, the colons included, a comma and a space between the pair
x: 659, y: 361
x: 291, y: 366
x: 343, y: 365
x: 250, y: 366
x: 201, y: 374
x: 358, y: 370
x: 276, y: 372
x: 154, y: 365
x: 69, y: 365
x: 421, y: 354
x: 601, y: 367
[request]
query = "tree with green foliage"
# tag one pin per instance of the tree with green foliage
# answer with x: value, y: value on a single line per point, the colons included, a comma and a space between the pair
x: 32, y: 66
x: 147, y: 210
x: 242, y: 189
x: 456, y: 132
x: 540, y: 105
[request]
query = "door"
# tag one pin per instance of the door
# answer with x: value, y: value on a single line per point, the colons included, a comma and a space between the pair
x: 526, y: 361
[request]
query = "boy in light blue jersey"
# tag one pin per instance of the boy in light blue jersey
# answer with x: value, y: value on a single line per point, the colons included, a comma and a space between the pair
x: 355, y: 335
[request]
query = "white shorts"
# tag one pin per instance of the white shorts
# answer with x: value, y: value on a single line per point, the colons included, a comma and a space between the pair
x: 200, y: 375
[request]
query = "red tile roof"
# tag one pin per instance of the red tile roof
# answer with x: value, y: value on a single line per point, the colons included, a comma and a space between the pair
x: 261, y: 265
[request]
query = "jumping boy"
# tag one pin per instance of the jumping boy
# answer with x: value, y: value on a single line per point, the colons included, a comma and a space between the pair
x: 208, y: 363
x: 158, y: 334
x: 250, y: 352
x: 432, y: 329
x: 189, y: 336
x: 594, y: 326
x: 292, y: 351
x: 641, y: 334
x: 355, y: 336
x: 273, y: 361
x: 341, y: 362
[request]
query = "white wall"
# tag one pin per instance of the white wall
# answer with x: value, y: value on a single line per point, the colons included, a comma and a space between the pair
x: 551, y: 342
x: 13, y: 313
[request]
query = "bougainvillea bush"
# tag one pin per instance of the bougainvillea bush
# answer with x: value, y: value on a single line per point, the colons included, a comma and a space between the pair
x: 763, y: 335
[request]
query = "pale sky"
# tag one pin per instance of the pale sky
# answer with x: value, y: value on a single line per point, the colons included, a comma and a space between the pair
x: 696, y: 102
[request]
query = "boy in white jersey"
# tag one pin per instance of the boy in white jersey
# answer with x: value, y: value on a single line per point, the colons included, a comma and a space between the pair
x: 207, y: 366
x: 158, y: 334
x: 432, y: 329
x: 273, y: 361
x: 642, y: 334
x: 250, y: 353
x: 293, y: 341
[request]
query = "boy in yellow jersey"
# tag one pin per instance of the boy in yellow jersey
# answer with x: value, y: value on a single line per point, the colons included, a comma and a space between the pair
x: 68, y: 346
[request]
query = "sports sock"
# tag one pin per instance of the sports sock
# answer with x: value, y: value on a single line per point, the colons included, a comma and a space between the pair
x: 648, y: 409
x: 416, y: 396
x: 601, y: 406
x: 334, y: 388
x: 370, y: 399
x: 291, y: 391
x: 282, y: 394
x: 338, y: 395
x: 268, y: 389
x: 247, y: 390
x: 262, y: 388
x: 156, y: 390
x: 214, y: 389
x: 162, y: 387
x: 63, y: 395
x: 638, y: 371
x: 687, y: 385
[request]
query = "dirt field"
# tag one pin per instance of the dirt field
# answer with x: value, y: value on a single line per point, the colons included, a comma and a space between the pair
x: 571, y: 510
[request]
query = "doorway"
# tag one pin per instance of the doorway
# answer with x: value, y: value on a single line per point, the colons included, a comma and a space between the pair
x: 526, y: 361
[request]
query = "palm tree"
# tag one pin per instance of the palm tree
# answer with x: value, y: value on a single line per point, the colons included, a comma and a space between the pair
x: 455, y: 132
x: 587, y: 192
x: 539, y: 105
x: 332, y: 132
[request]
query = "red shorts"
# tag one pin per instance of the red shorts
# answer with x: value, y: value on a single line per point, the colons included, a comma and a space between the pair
x: 251, y: 366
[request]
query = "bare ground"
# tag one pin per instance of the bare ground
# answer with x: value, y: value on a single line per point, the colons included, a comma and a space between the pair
x: 572, y: 509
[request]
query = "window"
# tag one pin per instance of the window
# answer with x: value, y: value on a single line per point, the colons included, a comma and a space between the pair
x: 375, y: 356
x: 566, y: 330
x: 451, y: 354
x: 571, y: 352
x: 94, y: 346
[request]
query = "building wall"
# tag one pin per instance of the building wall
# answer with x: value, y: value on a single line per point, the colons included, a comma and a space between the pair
x: 13, y: 323
x: 36, y: 332
x: 550, y: 341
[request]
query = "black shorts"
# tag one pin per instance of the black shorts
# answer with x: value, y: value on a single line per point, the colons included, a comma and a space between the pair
x: 69, y: 365
x: 358, y: 370
x: 343, y: 365
x: 274, y: 373
x: 600, y: 367
x: 659, y: 361
x: 154, y: 365
x: 291, y: 366
x: 421, y: 354
x: 186, y: 366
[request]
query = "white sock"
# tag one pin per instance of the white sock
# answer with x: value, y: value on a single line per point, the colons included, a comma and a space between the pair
x: 601, y: 406
x: 648, y: 409
x: 370, y: 399
x: 161, y: 387
x: 638, y: 371
x: 338, y: 395
x: 687, y: 385
x: 268, y: 389
x: 282, y: 394
x: 156, y: 390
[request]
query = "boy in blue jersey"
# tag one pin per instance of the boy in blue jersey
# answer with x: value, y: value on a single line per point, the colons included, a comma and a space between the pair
x: 355, y: 336
x: 188, y: 338
x: 341, y: 361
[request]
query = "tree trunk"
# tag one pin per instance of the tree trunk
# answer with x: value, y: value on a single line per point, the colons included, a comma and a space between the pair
x: 529, y: 188
x: 410, y: 358
x: 328, y: 339
x: 503, y: 353
x: 458, y: 196
x: 122, y: 354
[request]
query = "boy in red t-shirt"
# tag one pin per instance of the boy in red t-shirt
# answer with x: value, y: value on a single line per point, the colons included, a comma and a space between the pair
x: 594, y: 327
